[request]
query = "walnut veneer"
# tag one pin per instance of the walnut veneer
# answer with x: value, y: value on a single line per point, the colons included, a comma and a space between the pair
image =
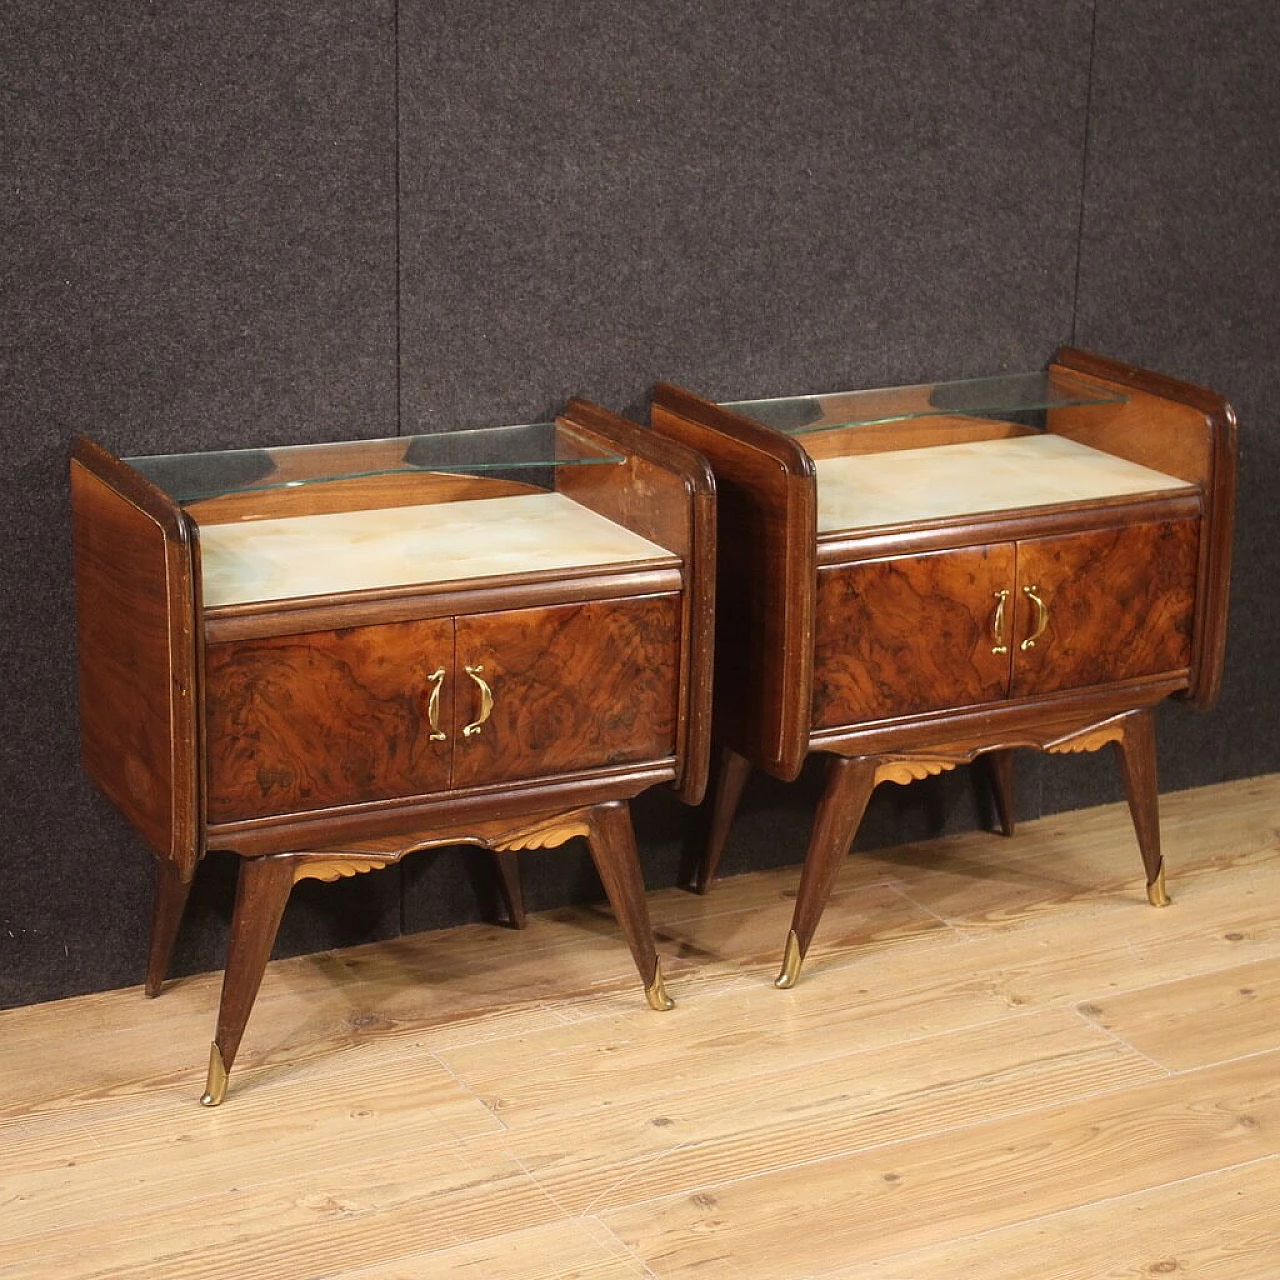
x: 513, y: 703
x: 907, y: 612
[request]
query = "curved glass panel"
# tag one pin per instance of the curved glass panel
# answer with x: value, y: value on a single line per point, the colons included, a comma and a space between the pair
x: 531, y: 452
x: 1020, y: 397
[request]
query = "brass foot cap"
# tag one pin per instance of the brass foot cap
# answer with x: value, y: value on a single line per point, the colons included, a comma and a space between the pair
x: 791, y: 962
x: 656, y: 994
x: 1156, y: 894
x: 215, y: 1088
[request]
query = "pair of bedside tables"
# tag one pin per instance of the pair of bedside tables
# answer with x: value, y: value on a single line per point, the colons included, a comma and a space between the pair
x: 326, y: 657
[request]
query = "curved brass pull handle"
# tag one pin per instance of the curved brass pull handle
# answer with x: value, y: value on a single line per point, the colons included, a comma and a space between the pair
x: 433, y: 706
x: 997, y: 624
x: 1042, y: 617
x: 486, y: 702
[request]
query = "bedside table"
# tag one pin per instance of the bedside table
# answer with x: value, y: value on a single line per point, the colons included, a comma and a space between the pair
x: 325, y: 657
x: 913, y: 577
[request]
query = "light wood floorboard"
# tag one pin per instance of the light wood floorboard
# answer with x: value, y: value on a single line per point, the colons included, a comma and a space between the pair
x: 999, y: 1062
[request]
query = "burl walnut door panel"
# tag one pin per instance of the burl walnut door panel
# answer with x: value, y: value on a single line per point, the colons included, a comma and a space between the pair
x: 912, y: 634
x: 573, y: 687
x: 1116, y: 604
x: 327, y: 718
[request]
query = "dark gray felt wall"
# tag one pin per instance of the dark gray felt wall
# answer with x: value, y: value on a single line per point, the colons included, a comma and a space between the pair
x: 232, y: 225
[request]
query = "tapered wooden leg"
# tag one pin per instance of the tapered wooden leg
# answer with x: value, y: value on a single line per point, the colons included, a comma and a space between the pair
x: 167, y: 906
x: 261, y: 894
x: 510, y: 886
x: 1000, y: 771
x: 730, y: 781
x: 1136, y: 754
x: 613, y: 849
x: 849, y: 785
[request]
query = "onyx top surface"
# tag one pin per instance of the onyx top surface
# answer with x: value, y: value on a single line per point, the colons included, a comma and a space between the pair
x: 320, y: 555
x: 979, y: 476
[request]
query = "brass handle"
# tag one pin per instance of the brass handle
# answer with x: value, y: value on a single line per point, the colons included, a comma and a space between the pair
x: 486, y: 702
x: 433, y: 706
x: 997, y: 625
x: 1042, y: 617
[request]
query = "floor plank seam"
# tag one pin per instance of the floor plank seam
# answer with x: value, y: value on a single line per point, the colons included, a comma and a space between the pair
x: 466, y: 1088
x: 602, y: 1231
x: 1175, y: 1073
x: 843, y: 1273
x: 817, y: 1058
x: 947, y: 924
x: 637, y: 1167
x: 112, y: 1177
x: 843, y: 1153
x: 1117, y: 1039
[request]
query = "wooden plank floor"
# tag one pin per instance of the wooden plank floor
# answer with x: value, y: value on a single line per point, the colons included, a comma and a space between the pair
x: 999, y: 1063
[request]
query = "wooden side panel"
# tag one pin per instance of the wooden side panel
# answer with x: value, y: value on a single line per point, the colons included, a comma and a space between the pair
x: 766, y: 500
x: 1120, y: 604
x: 911, y: 634
x: 1194, y: 431
x: 326, y: 718
x: 135, y: 641
x: 666, y: 492
x: 574, y: 686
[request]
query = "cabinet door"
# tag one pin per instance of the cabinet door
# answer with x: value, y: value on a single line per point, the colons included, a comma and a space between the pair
x: 911, y: 634
x: 326, y: 718
x: 573, y: 687
x: 1116, y: 604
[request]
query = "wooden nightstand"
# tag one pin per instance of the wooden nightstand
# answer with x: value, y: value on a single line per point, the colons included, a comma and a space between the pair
x: 910, y: 578
x: 325, y: 657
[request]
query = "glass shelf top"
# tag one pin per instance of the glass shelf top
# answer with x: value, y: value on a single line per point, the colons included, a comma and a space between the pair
x: 1008, y: 397
x: 530, y: 452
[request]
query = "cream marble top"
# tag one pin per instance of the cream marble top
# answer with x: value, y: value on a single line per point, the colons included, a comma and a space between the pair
x: 297, y: 556
x: 873, y: 489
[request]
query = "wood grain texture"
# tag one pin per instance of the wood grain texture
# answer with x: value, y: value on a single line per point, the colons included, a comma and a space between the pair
x: 665, y: 492
x: 999, y: 769
x: 355, y: 493
x: 455, y: 811
x: 169, y: 900
x: 980, y: 529
x: 1135, y: 753
x: 136, y: 651
x: 416, y: 1108
x: 1149, y: 1234
x: 574, y: 687
x: 1120, y: 602
x: 612, y: 842
x: 867, y: 1204
x: 1200, y: 425
x: 731, y: 779
x: 439, y: 600
x: 262, y: 891
x: 907, y: 433
x: 845, y: 793
x: 766, y: 501
x: 298, y: 723
x: 1031, y: 721
x: 1197, y: 1021
x: 909, y: 634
